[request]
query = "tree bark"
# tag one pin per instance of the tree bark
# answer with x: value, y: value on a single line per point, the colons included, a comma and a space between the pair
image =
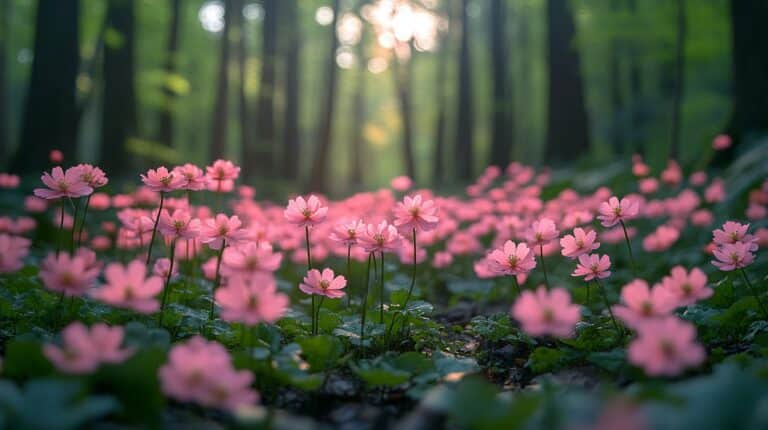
x: 615, y: 92
x: 749, y: 65
x: 502, y: 107
x: 50, y: 110
x: 358, y: 114
x: 169, y: 95
x: 221, y: 105
x: 438, y: 172
x: 241, y: 57
x: 464, y: 121
x: 637, y: 118
x: 567, y: 120
x: 119, y: 104
x: 402, y: 73
x: 292, y: 61
x: 265, y: 104
x: 678, y: 88
x: 324, y: 135
x: 5, y: 22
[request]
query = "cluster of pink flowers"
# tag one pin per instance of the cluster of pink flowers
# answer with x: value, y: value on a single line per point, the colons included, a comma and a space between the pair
x: 83, y: 350
x: 13, y: 250
x: 201, y: 371
x: 735, y: 247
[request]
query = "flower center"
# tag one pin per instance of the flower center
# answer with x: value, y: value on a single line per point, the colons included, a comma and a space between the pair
x: 548, y: 316
x: 324, y: 284
x: 646, y: 308
x: 667, y: 348
x: 687, y: 289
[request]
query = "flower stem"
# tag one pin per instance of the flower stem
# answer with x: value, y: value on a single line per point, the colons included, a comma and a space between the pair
x: 309, y: 267
x: 167, y: 284
x: 543, y: 266
x: 410, y: 289
x: 154, y: 228
x: 516, y: 284
x: 619, y: 331
x: 317, y: 315
x: 349, y: 272
x: 754, y: 292
x: 74, y: 226
x: 364, y: 302
x: 217, y: 281
x: 629, y: 244
x: 381, y: 290
x: 82, y: 221
x: 61, y: 231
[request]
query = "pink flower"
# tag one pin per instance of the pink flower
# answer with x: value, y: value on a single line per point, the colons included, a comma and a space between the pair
x: 84, y: 350
x: 127, y: 287
x: 546, y: 312
x: 542, y: 232
x: 161, y: 180
x: 56, y: 156
x: 13, y: 249
x: 642, y: 303
x: 380, y: 238
x: 442, y: 259
x: 413, y: 213
x: 222, y: 230
x: 346, y: 233
x: 512, y: 259
x: 613, y: 211
x: 401, y: 183
x: 72, y: 276
x: 687, y: 288
x: 733, y: 232
x: 35, y: 204
x: 201, y: 371
x: 222, y: 171
x: 733, y: 256
x: 162, y: 266
x: 250, y: 258
x: 593, y: 266
x: 193, y: 177
x: 323, y: 284
x: 61, y: 184
x: 721, y: 142
x: 715, y: 192
x: 305, y: 213
x: 9, y: 181
x: 672, y: 175
x: 93, y: 176
x: 661, y: 239
x: 666, y: 347
x: 179, y: 225
x: 251, y: 300
x: 579, y: 243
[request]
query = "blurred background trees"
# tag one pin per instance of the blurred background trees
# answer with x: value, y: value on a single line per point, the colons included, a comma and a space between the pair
x: 336, y: 95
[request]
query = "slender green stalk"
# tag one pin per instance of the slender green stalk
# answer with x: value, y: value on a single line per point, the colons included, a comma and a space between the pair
x: 619, y: 331
x: 381, y: 290
x: 754, y: 292
x: 74, y: 226
x: 629, y: 244
x: 154, y: 228
x: 349, y: 273
x: 217, y: 280
x: 317, y: 315
x: 410, y: 289
x: 167, y: 287
x: 364, y: 302
x: 516, y: 284
x: 543, y: 266
x: 59, y: 243
x: 82, y: 221
x: 309, y: 267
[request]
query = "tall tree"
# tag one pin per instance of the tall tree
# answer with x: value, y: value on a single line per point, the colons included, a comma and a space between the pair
x: 402, y: 71
x: 615, y: 88
x: 265, y: 104
x: 241, y: 54
x: 678, y: 86
x: 357, y: 125
x: 464, y: 121
x: 170, y: 67
x: 502, y: 107
x: 438, y: 171
x: 292, y: 62
x: 5, y: 22
x: 50, y: 111
x: 749, y: 63
x: 567, y: 120
x: 636, y: 116
x: 221, y: 105
x: 118, y: 120
x: 325, y: 126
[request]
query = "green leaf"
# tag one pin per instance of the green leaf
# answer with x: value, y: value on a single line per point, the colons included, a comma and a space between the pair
x: 321, y: 352
x: 545, y: 359
x: 378, y: 372
x: 24, y: 359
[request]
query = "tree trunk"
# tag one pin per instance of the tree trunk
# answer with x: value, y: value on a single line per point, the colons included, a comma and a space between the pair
x: 5, y: 23
x: 241, y: 55
x: 324, y: 135
x: 636, y: 116
x: 119, y: 104
x: 221, y: 105
x: 265, y: 105
x: 749, y: 65
x: 438, y: 172
x: 615, y: 92
x: 292, y: 61
x: 169, y: 95
x: 677, y: 94
x: 402, y: 71
x: 464, y: 121
x: 502, y: 111
x: 567, y: 120
x: 358, y: 115
x: 49, y: 114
